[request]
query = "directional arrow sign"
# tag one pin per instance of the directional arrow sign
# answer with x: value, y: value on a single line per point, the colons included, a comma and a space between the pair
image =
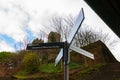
x: 76, y: 27
x: 72, y: 34
x: 60, y: 55
x: 81, y: 51
x: 45, y: 46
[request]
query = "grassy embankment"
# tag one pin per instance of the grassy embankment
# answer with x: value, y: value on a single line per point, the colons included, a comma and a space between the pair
x: 46, y: 71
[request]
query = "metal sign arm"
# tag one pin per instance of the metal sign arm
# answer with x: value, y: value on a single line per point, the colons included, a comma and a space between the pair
x: 59, y: 57
x: 81, y: 51
x: 76, y: 26
x: 45, y: 46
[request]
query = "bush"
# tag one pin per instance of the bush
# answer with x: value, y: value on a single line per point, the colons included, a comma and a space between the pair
x: 30, y: 63
x: 5, y: 57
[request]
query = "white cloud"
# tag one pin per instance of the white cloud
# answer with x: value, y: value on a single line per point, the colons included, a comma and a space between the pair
x: 5, y: 47
x: 116, y: 50
x: 35, y: 26
x: 12, y: 20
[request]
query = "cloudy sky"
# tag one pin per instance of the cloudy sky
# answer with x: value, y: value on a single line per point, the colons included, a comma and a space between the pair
x: 22, y: 19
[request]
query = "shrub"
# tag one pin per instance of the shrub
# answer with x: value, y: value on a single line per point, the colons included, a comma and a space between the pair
x: 30, y: 63
x: 5, y: 57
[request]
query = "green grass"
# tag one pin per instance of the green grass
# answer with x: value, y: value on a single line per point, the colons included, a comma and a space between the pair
x: 20, y: 77
x: 44, y: 70
x: 22, y: 72
x: 73, y: 65
x: 50, y: 68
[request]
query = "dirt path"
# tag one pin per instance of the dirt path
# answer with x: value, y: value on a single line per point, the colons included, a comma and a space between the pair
x: 2, y: 73
x: 74, y: 71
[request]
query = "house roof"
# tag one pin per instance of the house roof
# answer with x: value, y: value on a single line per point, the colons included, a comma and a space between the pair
x: 109, y: 11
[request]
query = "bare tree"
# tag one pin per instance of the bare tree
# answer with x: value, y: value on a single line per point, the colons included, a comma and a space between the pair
x: 19, y: 46
x: 87, y: 36
x: 62, y: 25
x: 69, y: 21
x: 25, y: 42
x: 56, y: 24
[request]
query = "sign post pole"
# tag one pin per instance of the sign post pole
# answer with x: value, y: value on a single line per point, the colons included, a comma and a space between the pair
x: 65, y: 54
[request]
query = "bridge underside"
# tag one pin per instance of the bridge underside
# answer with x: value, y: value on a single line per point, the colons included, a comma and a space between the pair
x: 109, y: 11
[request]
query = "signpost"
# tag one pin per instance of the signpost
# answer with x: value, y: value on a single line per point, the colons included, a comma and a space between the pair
x: 72, y: 34
x: 66, y: 46
x: 70, y: 38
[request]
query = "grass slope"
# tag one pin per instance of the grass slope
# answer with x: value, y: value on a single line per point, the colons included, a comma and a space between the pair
x: 46, y: 72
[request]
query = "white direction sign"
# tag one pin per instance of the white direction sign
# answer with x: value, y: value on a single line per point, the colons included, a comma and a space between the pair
x: 60, y: 55
x: 72, y: 34
x: 81, y: 51
x: 76, y: 27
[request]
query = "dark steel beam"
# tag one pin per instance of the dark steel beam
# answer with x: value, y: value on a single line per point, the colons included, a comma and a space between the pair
x: 109, y: 12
